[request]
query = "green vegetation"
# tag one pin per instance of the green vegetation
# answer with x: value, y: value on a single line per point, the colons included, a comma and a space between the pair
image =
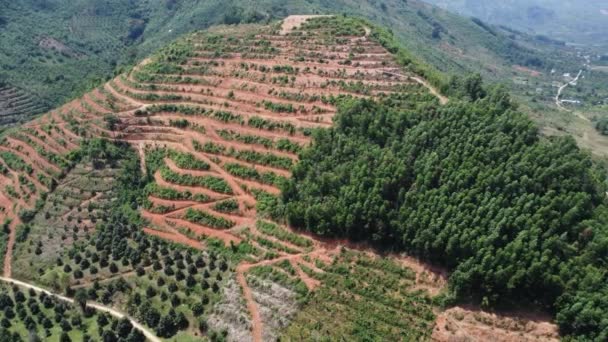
x: 245, y: 138
x: 212, y: 183
x: 172, y: 194
x: 250, y: 173
x: 276, y: 276
x: 206, y: 219
x: 4, y: 233
x: 227, y: 206
x: 28, y: 315
x: 61, y: 49
x: 278, y: 107
x: 469, y: 186
x: 188, y: 161
x: 602, y: 126
x: 17, y: 106
x: 166, y: 287
x: 366, y: 299
x: 250, y: 156
x: 15, y: 163
x: 269, y: 125
x: 272, y: 229
x: 284, y: 144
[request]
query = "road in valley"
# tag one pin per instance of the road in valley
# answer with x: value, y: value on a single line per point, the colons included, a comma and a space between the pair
x: 558, y: 102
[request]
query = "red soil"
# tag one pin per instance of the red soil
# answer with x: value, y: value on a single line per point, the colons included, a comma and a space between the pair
x: 310, y: 283
x: 529, y: 71
x: 473, y: 324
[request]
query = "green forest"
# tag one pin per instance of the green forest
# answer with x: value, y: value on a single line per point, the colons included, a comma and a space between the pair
x: 471, y: 186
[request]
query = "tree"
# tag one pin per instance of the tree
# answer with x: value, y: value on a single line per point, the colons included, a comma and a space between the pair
x: 124, y: 327
x: 175, y: 300
x: 64, y: 337
x: 203, y: 326
x: 198, y: 309
x: 102, y: 320
x: 6, y: 301
x: 136, y: 336
x: 19, y: 296
x: 148, y: 314
x: 9, y: 313
x: 80, y: 299
x: 150, y: 292
x: 473, y: 87
x: 78, y: 274
x: 181, y: 322
x: 65, y: 325
x: 108, y: 336
x: 190, y: 281
x: 166, y: 326
x: 471, y: 186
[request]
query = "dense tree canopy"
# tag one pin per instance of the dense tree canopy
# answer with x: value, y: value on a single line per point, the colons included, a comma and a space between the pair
x: 471, y: 186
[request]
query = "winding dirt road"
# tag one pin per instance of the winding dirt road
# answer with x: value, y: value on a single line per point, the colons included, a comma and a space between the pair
x: 558, y: 102
x: 149, y: 335
x: 442, y: 99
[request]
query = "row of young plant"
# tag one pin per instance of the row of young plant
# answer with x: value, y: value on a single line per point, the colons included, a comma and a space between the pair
x: 216, y: 184
x: 250, y: 156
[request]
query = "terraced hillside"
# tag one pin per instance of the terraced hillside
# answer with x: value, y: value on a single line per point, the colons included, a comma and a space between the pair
x: 218, y: 118
x: 17, y: 106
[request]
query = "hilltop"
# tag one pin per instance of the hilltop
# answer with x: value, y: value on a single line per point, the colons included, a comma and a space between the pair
x: 162, y: 192
x: 54, y: 51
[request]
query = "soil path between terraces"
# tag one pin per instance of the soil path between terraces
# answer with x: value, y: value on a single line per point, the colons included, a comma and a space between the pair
x: 147, y: 333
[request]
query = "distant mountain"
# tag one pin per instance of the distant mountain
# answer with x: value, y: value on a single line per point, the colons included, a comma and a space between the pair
x: 578, y: 21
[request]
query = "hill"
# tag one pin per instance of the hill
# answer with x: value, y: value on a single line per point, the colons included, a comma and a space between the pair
x: 55, y: 49
x: 179, y: 234
x: 161, y: 193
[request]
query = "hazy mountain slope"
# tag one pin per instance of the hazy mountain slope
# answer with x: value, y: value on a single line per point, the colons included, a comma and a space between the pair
x: 577, y: 21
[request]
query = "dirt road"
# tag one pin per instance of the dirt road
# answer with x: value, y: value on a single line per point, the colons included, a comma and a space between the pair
x: 149, y: 335
x: 442, y: 99
x: 558, y: 102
